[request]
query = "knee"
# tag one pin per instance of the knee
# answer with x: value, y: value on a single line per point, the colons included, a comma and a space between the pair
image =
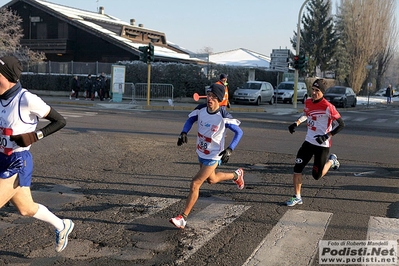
x: 211, y: 181
x: 195, y: 186
x: 28, y: 211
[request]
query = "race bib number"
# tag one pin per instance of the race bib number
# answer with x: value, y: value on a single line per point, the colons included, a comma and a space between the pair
x: 5, y: 142
x: 203, y: 143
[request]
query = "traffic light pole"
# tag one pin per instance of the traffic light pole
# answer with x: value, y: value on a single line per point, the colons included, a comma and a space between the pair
x: 148, y: 82
x: 298, y: 35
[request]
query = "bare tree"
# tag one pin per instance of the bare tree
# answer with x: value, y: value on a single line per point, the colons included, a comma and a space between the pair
x: 365, y: 23
x: 391, y: 76
x: 389, y: 40
x: 11, y: 34
x: 206, y: 50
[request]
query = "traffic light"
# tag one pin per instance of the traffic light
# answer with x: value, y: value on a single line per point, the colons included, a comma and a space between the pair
x: 296, y: 61
x: 301, y: 62
x: 144, y: 53
x: 150, y: 53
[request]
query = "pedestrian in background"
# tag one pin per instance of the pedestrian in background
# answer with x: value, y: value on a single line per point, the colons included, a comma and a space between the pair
x: 223, y: 81
x: 20, y: 113
x: 88, y: 87
x: 212, y: 124
x: 97, y: 89
x: 75, y: 86
x: 107, y: 88
x: 389, y: 94
x: 319, y: 114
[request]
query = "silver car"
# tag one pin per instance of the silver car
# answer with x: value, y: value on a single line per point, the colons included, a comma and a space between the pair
x: 256, y: 92
x: 285, y: 92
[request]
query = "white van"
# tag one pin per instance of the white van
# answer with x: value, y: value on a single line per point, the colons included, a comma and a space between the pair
x: 285, y: 92
x: 256, y: 92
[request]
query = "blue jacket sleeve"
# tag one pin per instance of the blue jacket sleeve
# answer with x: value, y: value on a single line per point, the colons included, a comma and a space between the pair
x: 189, y: 123
x: 237, y: 135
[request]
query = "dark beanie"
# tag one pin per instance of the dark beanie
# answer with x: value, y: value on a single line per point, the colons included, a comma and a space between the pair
x: 318, y: 84
x: 218, y: 90
x: 223, y: 76
x: 10, y: 68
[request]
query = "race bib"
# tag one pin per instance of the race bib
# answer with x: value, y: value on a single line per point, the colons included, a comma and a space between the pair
x: 5, y: 142
x: 203, y: 143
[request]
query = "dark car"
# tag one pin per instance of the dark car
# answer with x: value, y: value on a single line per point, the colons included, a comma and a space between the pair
x: 341, y: 96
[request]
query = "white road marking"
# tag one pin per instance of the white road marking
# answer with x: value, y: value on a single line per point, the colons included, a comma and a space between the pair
x: 293, y: 240
x: 381, y: 228
x: 380, y: 120
x: 203, y: 226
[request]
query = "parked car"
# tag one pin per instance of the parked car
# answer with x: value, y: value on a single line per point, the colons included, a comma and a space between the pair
x: 285, y: 92
x: 382, y: 92
x: 341, y: 96
x: 256, y: 92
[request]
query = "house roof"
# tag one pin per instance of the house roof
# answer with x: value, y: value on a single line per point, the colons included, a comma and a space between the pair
x: 111, y: 28
x: 240, y: 57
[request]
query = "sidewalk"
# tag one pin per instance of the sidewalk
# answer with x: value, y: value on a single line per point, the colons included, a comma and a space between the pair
x: 188, y: 104
x: 180, y: 104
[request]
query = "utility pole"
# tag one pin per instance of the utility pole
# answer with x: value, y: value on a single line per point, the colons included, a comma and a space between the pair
x: 298, y: 35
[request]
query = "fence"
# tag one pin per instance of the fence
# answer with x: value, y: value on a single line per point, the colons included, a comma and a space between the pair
x: 79, y: 68
x: 158, y: 91
x: 123, y: 91
x: 138, y: 91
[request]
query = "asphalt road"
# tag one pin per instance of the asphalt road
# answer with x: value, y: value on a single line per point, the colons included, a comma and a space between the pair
x: 119, y: 176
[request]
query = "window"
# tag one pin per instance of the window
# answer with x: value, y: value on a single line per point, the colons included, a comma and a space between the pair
x: 62, y: 30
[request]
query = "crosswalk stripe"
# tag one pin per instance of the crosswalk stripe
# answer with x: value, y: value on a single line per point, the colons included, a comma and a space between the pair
x: 397, y: 122
x: 204, y: 225
x: 380, y: 120
x: 381, y: 228
x: 293, y: 240
x: 359, y: 119
x: 77, y: 114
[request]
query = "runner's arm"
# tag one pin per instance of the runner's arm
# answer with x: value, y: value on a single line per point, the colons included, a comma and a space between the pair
x: 237, y: 135
x: 341, y: 125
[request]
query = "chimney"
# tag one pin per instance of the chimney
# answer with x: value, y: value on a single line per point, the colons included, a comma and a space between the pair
x: 101, y: 10
x: 141, y: 25
x: 133, y: 22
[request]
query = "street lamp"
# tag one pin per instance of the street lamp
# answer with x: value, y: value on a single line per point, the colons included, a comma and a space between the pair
x: 298, y: 36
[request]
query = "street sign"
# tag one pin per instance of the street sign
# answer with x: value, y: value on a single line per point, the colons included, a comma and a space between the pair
x: 280, y: 59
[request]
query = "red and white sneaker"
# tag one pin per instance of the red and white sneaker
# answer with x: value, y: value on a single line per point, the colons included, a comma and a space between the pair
x: 240, y: 179
x: 178, y: 221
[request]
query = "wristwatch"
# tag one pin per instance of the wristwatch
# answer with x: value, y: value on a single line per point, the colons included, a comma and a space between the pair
x: 39, y: 134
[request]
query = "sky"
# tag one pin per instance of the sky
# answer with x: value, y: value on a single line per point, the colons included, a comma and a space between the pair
x: 222, y: 25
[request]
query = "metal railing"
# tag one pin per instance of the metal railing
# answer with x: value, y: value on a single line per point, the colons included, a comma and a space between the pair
x: 138, y: 91
x: 79, y: 68
x: 158, y: 91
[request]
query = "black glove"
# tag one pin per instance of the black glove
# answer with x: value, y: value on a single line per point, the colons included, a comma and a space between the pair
x: 182, y: 139
x: 321, y: 138
x: 24, y: 140
x: 292, y: 127
x: 226, y: 155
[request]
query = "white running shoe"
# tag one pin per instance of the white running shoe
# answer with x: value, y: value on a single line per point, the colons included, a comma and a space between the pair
x: 294, y: 201
x: 335, y: 165
x: 61, y: 237
x: 240, y: 179
x: 178, y: 221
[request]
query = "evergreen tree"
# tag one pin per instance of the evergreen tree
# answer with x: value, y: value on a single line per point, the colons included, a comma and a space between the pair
x: 318, y: 38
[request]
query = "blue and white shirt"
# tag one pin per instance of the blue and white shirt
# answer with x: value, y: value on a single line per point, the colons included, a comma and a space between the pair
x: 211, y: 131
